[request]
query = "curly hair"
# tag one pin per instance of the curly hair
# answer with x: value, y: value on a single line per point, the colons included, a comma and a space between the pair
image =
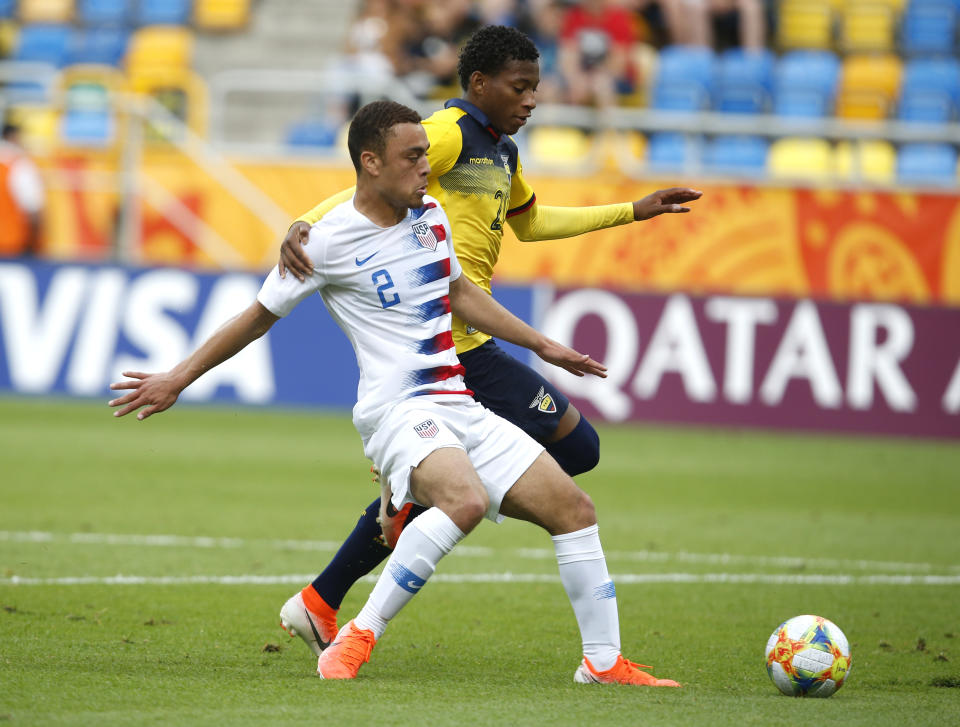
x: 369, y: 128
x: 491, y: 48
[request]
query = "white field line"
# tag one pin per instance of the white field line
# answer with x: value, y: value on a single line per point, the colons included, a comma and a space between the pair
x: 619, y: 579
x: 640, y: 556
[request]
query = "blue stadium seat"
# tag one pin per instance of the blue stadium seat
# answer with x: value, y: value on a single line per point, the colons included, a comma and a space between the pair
x: 805, y: 83
x: 7, y: 8
x: 927, y: 164
x: 743, y: 81
x: 106, y: 46
x: 931, y: 90
x: 672, y: 151
x: 164, y: 12
x: 684, y: 79
x: 929, y: 27
x: 44, y: 44
x: 315, y: 133
x: 103, y: 12
x: 742, y: 155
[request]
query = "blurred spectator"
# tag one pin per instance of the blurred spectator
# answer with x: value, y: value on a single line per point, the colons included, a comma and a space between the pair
x: 370, y: 45
x: 543, y: 21
x: 596, y: 42
x: 431, y: 46
x: 691, y: 22
x: 21, y: 197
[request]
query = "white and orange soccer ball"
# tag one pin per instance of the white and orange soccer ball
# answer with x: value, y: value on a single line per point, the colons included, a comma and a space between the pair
x: 808, y: 656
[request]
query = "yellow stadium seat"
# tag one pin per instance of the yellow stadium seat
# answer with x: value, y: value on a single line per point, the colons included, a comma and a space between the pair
x: 221, y: 14
x: 553, y: 145
x: 805, y: 24
x: 867, y: 26
x: 869, y: 86
x: 181, y: 92
x: 159, y: 47
x: 799, y: 158
x: 8, y: 37
x: 866, y: 161
x: 46, y: 11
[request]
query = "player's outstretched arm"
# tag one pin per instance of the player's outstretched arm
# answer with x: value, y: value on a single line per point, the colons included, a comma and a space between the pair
x: 481, y: 311
x: 154, y: 393
x: 542, y: 222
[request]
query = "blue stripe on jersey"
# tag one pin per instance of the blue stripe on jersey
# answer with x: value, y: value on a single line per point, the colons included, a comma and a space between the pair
x: 431, y: 309
x: 429, y: 273
x: 432, y: 375
x: 441, y: 342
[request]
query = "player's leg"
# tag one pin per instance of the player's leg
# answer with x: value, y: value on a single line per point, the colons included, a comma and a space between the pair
x: 445, y: 482
x: 547, y: 496
x: 523, y: 397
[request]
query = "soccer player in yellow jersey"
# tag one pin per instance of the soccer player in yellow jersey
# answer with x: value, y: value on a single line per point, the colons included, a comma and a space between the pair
x: 477, y: 177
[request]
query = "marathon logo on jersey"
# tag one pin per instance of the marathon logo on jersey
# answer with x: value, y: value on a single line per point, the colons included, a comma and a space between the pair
x: 544, y: 402
x: 425, y: 235
x: 427, y: 429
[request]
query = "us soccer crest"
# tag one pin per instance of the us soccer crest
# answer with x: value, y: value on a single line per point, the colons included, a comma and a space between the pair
x: 543, y: 402
x: 427, y: 429
x: 425, y: 235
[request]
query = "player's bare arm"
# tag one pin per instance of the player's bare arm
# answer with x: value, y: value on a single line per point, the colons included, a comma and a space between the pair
x: 154, y: 393
x: 665, y: 201
x: 473, y: 305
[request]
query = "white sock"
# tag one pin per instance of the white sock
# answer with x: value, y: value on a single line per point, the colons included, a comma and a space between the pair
x: 420, y: 547
x: 583, y: 571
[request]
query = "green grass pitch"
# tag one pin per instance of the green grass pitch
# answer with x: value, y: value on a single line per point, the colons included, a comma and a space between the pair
x: 713, y: 538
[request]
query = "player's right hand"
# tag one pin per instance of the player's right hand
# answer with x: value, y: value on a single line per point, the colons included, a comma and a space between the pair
x: 566, y: 358
x: 156, y: 392
x: 292, y: 256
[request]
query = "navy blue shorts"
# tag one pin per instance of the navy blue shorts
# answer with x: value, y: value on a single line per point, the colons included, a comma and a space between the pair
x: 513, y: 390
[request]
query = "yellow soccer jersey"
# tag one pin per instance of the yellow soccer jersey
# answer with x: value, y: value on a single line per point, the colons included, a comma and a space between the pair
x: 476, y: 175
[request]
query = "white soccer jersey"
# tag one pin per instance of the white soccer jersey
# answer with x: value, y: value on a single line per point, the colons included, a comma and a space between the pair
x: 388, y: 289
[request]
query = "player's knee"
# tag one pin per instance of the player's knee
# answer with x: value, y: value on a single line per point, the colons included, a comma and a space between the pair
x: 579, y: 451
x: 467, y: 511
x: 583, y: 512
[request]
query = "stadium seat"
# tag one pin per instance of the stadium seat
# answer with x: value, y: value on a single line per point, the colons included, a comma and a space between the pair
x: 221, y: 14
x: 159, y: 48
x: 867, y: 26
x: 801, y: 159
x: 869, y: 85
x: 684, y: 79
x: 866, y: 161
x: 106, y: 46
x: 7, y: 7
x: 103, y: 12
x: 313, y: 133
x: 931, y: 90
x: 929, y: 27
x: 805, y: 83
x: 552, y: 145
x: 670, y: 151
x: 805, y: 24
x: 45, y: 11
x: 743, y: 81
x: 43, y: 44
x: 927, y: 164
x: 740, y: 155
x: 163, y: 12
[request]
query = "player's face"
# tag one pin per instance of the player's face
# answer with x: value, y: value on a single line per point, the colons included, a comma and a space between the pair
x: 509, y: 97
x: 405, y: 167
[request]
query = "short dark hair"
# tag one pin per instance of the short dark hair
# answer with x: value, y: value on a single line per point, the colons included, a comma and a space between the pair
x: 491, y: 48
x: 372, y: 123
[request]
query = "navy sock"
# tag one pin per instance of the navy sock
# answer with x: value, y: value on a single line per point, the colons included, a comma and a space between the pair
x: 579, y: 451
x: 361, y: 552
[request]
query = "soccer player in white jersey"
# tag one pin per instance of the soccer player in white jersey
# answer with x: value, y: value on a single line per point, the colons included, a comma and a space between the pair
x: 386, y: 270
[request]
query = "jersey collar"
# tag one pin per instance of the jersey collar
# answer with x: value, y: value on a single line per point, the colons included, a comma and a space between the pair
x: 478, y: 115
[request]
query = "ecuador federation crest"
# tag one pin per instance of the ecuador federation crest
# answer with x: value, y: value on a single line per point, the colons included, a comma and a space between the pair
x: 543, y: 402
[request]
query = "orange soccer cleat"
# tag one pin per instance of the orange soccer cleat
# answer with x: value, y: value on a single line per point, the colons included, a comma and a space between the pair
x: 307, y: 615
x: 392, y: 521
x: 349, y: 651
x: 622, y: 672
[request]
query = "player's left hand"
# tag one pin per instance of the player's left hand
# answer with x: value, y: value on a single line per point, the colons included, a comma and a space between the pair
x: 664, y: 201
x: 566, y: 358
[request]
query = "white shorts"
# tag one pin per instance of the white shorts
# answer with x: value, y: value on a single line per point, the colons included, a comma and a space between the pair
x: 500, y: 451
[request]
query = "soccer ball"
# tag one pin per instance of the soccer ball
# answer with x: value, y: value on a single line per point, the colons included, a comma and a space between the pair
x: 808, y: 656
